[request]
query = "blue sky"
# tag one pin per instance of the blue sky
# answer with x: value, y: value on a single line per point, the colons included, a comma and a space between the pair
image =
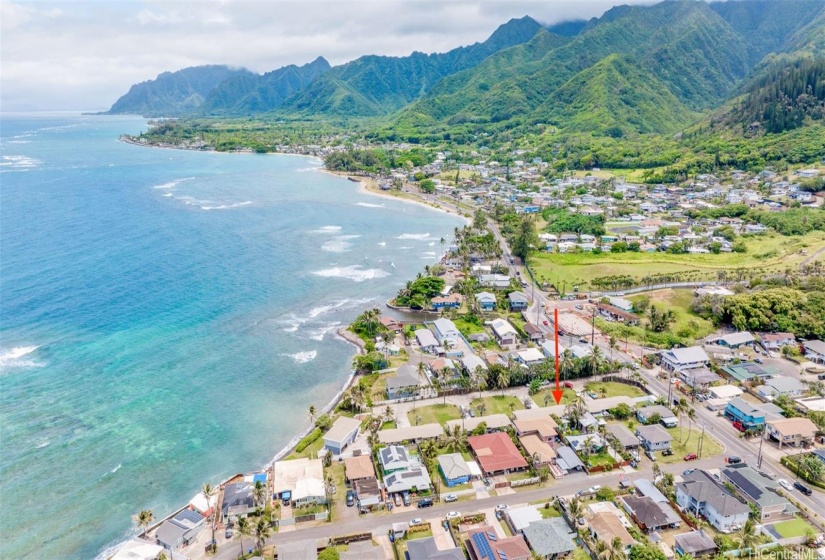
x: 82, y: 55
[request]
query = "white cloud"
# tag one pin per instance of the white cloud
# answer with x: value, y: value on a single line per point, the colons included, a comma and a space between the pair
x: 85, y: 54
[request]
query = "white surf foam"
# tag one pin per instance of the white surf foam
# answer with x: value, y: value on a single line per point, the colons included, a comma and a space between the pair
x: 168, y: 195
x: 42, y: 444
x: 327, y: 229
x: 383, y: 243
x: 336, y: 246
x: 19, y: 163
x: 353, y: 272
x: 321, y: 332
x: 302, y: 357
x: 117, y: 468
x: 15, y: 358
x: 172, y: 184
x: 227, y: 206
x: 419, y: 236
x: 368, y: 205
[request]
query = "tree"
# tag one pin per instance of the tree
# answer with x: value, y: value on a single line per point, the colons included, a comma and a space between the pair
x: 503, y: 379
x: 312, y: 413
x: 525, y: 239
x: 389, y: 414
x: 262, y: 532
x: 242, y: 530
x: 143, y: 519
x: 208, y: 492
x: 646, y: 551
x: 259, y: 494
x: 482, y: 408
x: 621, y: 411
x: 748, y: 538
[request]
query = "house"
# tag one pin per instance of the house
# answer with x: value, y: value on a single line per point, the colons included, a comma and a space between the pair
x: 529, y: 356
x: 760, y: 490
x: 605, y: 405
x: 815, y: 351
x: 747, y: 371
x: 724, y: 392
x: 426, y: 341
x: 446, y: 332
x: 486, y: 301
x: 391, y: 324
x: 499, y: 281
x: 775, y: 341
x: 541, y: 452
x: 300, y: 481
x: 700, y: 495
x: 653, y: 437
x: 496, y: 453
x: 411, y: 434
x: 567, y: 460
x: 454, y: 469
x: 452, y: 301
x: 791, y: 431
x: 646, y: 414
x: 745, y: 413
x: 299, y: 550
x: 517, y: 301
x: 137, y: 549
x: 677, y: 359
x: 343, y: 432
x: 550, y: 538
x: 404, y: 384
x: 624, y: 436
x: 544, y: 427
x: 736, y: 340
x: 518, y: 518
x: 426, y: 549
x: 698, y: 377
x: 606, y: 526
x: 486, y: 545
x: 359, y: 468
x: 504, y: 332
x: 810, y: 404
x: 180, y: 530
x: 237, y: 499
x: 695, y: 543
x: 492, y: 423
x: 648, y: 514
x: 615, y: 314
x: 414, y: 479
x: 394, y: 458
x: 533, y: 332
x: 781, y: 385
x: 621, y: 303
x: 362, y: 550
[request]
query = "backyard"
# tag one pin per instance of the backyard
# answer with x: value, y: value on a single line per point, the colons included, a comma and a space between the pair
x: 433, y: 414
x: 793, y: 528
x: 545, y: 397
x: 690, y: 444
x: 498, y: 404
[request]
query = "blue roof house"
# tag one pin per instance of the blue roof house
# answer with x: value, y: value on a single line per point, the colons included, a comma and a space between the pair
x: 744, y: 412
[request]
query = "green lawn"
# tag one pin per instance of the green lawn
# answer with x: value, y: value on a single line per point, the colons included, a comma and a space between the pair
x: 601, y: 459
x: 614, y: 389
x: 765, y: 252
x: 546, y: 513
x: 793, y: 528
x: 539, y: 398
x: 336, y: 471
x: 467, y: 328
x: 311, y: 451
x: 710, y: 448
x: 498, y: 404
x: 433, y: 414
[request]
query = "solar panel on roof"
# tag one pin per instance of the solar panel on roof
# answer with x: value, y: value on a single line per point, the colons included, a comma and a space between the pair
x: 483, y: 546
x: 502, y: 554
x: 492, y: 536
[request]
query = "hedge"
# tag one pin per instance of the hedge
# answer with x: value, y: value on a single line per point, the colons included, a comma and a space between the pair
x: 308, y: 440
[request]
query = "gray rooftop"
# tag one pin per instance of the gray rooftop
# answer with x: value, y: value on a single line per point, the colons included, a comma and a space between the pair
x: 300, y: 550
x: 648, y: 411
x: 755, y: 486
x: 689, y: 355
x: 362, y: 550
x: 550, y: 536
x: 695, y: 542
x: 623, y: 434
x: 653, y: 433
x: 703, y: 488
x: 567, y: 458
x: 426, y: 549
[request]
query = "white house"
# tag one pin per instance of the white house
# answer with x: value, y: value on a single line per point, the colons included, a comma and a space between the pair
x: 653, y: 437
x: 426, y: 341
x: 445, y: 330
x: 677, y: 359
x: 815, y: 351
x: 504, y: 332
x: 700, y: 495
x: 342, y: 433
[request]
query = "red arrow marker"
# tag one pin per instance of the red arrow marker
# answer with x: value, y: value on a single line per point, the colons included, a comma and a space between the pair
x: 557, y: 394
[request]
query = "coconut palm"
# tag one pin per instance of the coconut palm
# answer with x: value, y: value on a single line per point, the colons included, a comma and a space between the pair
x: 567, y: 362
x: 482, y: 408
x: 691, y: 416
x: 259, y: 494
x: 208, y: 492
x: 748, y: 537
x: 503, y: 379
x: 312, y: 412
x: 389, y: 414
x: 575, y: 507
x: 143, y: 519
x: 616, y: 551
x: 242, y: 530
x: 262, y: 531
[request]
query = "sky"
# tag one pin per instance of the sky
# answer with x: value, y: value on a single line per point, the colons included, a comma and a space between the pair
x: 83, y: 55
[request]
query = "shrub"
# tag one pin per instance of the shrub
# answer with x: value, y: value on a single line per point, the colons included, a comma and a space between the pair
x: 308, y: 440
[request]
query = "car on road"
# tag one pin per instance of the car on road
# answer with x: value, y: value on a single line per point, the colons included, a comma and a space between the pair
x: 450, y: 498
x: 667, y: 453
x: 802, y: 488
x: 579, y: 306
x: 567, y: 384
x: 416, y: 521
x: 425, y: 502
x: 733, y: 460
x: 583, y: 340
x: 785, y: 484
x: 502, y: 507
x: 687, y: 472
x: 453, y: 515
x: 758, y: 360
x: 545, y: 323
x: 691, y: 457
x: 594, y: 489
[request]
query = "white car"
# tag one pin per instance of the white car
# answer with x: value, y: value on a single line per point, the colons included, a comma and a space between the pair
x: 453, y: 515
x: 785, y: 484
x: 416, y: 521
x: 450, y: 498
x: 502, y: 507
x: 594, y: 489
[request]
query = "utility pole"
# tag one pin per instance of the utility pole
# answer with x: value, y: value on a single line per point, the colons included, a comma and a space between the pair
x: 759, y: 460
x: 593, y: 328
x: 701, y: 441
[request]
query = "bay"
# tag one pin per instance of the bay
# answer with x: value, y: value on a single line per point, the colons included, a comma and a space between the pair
x: 167, y: 317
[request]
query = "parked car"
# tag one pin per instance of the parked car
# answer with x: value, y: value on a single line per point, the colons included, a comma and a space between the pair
x: 350, y: 498
x: 583, y: 340
x: 406, y: 497
x: 502, y: 507
x: 802, y: 488
x: 425, y: 502
x: 453, y: 515
x: 758, y: 360
x: 581, y: 521
x: 472, y: 413
x: 687, y: 472
x: 691, y: 457
x: 785, y: 484
x: 821, y: 376
x: 397, y: 498
x: 734, y: 460
x: 649, y: 454
x: 416, y: 521
x: 594, y: 489
x: 568, y: 385
x: 228, y: 534
x: 667, y: 453
x: 579, y: 306
x: 545, y: 323
x: 450, y: 498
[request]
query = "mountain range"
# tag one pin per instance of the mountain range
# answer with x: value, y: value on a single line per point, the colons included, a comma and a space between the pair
x: 634, y: 70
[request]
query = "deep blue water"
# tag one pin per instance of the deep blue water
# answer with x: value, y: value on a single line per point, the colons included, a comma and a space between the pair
x: 167, y: 317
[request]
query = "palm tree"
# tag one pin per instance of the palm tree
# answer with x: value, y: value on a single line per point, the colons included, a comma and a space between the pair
x: 208, y: 492
x: 262, y: 531
x: 595, y: 361
x: 748, y: 537
x: 482, y: 408
x: 259, y: 494
x: 389, y: 414
x: 575, y: 508
x: 312, y: 413
x: 616, y: 551
x: 143, y: 519
x: 503, y: 379
x: 691, y: 415
x: 567, y: 362
x: 242, y: 530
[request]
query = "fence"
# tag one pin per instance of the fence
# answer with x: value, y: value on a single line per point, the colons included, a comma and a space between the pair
x: 525, y: 482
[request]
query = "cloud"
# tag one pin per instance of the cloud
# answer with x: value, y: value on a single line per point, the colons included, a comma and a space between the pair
x: 86, y: 57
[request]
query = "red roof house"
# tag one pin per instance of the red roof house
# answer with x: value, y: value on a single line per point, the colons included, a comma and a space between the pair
x: 496, y: 453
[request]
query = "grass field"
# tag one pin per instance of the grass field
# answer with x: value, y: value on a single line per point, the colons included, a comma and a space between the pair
x: 613, y: 389
x: 710, y: 447
x: 498, y: 404
x: 767, y: 252
x: 540, y: 400
x: 467, y: 328
x: 793, y: 528
x: 434, y: 414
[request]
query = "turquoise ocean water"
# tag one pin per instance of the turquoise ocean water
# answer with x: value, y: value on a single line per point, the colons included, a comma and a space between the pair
x: 167, y: 317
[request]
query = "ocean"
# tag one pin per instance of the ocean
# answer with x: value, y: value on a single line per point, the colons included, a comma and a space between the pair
x: 167, y: 318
